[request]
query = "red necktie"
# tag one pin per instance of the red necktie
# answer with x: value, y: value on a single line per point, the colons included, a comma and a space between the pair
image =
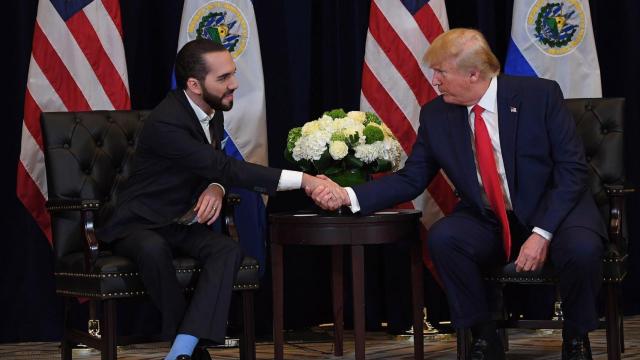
x: 489, y: 175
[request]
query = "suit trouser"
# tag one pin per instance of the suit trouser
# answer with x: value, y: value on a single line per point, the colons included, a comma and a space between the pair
x: 465, y: 245
x: 153, y: 250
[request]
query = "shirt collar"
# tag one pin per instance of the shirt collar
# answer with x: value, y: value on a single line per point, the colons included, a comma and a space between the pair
x: 489, y: 101
x: 200, y: 114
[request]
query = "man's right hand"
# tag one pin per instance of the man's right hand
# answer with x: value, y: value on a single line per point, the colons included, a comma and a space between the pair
x: 327, y: 194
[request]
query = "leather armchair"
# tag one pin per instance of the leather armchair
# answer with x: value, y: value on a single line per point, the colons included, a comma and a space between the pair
x: 600, y: 125
x: 88, y: 156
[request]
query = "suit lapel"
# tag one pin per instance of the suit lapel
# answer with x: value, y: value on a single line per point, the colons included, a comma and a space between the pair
x: 461, y: 132
x: 508, y: 107
x: 217, y: 129
x: 193, y: 119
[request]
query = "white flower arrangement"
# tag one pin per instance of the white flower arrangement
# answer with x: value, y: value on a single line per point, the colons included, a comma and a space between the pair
x: 344, y: 146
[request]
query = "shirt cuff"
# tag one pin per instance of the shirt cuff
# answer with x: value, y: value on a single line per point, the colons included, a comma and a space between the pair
x: 221, y: 187
x: 355, y: 205
x: 544, y: 233
x: 290, y: 180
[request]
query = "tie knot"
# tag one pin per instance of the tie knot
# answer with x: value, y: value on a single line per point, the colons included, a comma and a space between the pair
x: 477, y: 110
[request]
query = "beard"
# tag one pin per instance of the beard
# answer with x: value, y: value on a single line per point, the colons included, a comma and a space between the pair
x: 215, y: 102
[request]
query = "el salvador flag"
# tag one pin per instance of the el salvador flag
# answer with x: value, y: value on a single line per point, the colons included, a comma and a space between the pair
x: 554, y: 40
x: 232, y: 23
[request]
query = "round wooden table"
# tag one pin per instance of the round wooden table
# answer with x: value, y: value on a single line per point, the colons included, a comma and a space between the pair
x: 355, y: 231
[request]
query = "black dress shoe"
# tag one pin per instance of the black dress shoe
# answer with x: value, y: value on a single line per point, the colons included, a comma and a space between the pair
x: 576, y: 349
x: 183, y: 357
x: 487, y: 349
x: 200, y: 353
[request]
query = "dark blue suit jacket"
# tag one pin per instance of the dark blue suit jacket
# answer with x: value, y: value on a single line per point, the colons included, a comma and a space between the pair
x: 543, y: 158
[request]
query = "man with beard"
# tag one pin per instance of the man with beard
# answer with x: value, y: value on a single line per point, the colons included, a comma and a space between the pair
x: 178, y: 163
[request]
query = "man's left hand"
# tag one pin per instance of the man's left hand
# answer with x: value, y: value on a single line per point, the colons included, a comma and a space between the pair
x: 209, y: 204
x: 533, y: 253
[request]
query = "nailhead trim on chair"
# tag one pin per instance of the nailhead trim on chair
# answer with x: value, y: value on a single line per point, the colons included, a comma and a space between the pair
x: 107, y: 295
x: 104, y: 276
x: 138, y: 293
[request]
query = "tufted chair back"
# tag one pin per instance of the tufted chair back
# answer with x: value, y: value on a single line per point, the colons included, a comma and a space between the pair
x: 88, y: 156
x: 599, y: 123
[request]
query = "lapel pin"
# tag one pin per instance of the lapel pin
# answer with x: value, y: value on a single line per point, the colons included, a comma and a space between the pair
x: 513, y: 109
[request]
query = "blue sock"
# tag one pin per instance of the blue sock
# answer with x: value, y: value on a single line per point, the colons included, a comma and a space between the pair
x: 182, y: 345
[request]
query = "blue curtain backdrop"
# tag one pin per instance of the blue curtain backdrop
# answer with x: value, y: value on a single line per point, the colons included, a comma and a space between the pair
x: 312, y: 57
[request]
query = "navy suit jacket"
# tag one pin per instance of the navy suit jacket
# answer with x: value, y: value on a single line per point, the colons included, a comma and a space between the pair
x: 173, y: 163
x: 543, y: 157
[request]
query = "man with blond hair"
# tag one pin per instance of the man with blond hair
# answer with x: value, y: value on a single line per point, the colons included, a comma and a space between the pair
x: 510, y: 148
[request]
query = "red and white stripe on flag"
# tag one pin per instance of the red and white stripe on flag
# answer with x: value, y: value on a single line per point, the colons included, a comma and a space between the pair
x: 396, y: 82
x: 77, y: 63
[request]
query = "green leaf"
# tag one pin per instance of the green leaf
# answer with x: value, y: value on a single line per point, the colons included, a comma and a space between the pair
x: 306, y: 166
x: 352, y: 162
x: 324, y: 162
x: 353, y: 139
x: 288, y: 155
x: 349, y: 177
x: 332, y: 170
x: 382, y: 165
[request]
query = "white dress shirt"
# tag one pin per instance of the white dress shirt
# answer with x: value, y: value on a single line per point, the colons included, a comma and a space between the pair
x: 489, y: 102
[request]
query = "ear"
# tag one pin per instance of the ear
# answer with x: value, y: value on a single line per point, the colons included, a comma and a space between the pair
x: 193, y: 85
x: 474, y: 75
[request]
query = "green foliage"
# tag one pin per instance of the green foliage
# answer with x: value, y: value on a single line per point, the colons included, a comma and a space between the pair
x: 373, y: 134
x: 351, y: 161
x: 371, y: 118
x: 323, y: 163
x: 292, y: 137
x: 352, y: 140
x: 349, y: 177
x: 336, y: 113
x: 382, y: 165
x: 338, y: 136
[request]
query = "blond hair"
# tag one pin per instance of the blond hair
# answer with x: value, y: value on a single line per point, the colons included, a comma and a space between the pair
x: 467, y: 48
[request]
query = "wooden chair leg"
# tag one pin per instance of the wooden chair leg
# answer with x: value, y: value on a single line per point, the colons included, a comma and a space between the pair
x: 109, y: 351
x: 66, y: 344
x: 621, y: 317
x: 504, y: 336
x: 464, y: 343
x: 248, y: 337
x: 613, y: 323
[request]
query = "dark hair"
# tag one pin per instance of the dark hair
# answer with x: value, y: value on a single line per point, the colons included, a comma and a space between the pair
x: 190, y: 60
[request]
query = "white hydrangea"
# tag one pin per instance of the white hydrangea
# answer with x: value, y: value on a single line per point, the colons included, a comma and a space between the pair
x: 338, y: 150
x: 389, y: 149
x: 368, y: 153
x: 311, y: 147
x: 392, y: 151
x: 326, y: 123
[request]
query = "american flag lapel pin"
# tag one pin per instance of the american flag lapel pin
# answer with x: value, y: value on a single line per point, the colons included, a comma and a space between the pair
x: 513, y: 109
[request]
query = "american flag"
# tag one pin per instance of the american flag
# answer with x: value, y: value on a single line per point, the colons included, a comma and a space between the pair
x: 77, y: 64
x: 396, y: 82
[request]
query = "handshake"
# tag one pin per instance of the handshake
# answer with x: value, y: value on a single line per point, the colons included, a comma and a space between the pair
x: 324, y: 192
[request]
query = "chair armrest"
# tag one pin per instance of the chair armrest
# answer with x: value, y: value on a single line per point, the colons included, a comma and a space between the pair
x: 230, y: 202
x: 55, y: 205
x: 616, y: 194
x: 87, y: 207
